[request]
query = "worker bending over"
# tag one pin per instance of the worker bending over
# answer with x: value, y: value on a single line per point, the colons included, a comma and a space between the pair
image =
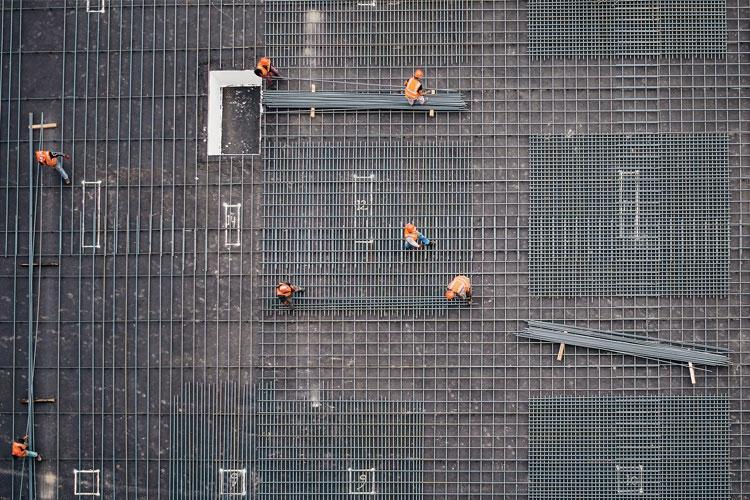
x: 413, y: 89
x: 265, y: 70
x: 19, y: 449
x: 413, y: 239
x: 461, y: 287
x: 49, y: 159
x: 285, y: 291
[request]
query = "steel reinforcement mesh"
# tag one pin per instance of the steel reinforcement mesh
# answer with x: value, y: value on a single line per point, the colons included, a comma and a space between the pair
x: 328, y: 448
x: 653, y: 447
x: 629, y: 28
x: 334, y: 213
x: 636, y: 215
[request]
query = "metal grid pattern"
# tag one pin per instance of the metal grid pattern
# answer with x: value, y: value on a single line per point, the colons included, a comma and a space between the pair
x: 641, y: 215
x: 120, y: 330
x: 336, y: 449
x: 630, y: 28
x: 604, y: 448
x: 211, y: 422
x: 333, y: 218
x: 366, y: 33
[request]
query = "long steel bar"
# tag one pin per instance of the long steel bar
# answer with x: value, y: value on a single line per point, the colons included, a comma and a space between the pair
x: 30, y: 319
x: 278, y: 99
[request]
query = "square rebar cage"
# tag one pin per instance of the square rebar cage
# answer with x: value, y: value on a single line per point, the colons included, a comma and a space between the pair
x: 620, y: 215
x: 334, y: 215
x: 634, y: 447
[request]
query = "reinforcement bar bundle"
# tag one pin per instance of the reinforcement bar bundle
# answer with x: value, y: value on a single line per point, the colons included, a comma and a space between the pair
x: 280, y: 99
x: 624, y: 343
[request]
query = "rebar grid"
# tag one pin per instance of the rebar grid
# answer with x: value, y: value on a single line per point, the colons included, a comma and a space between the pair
x: 652, y: 447
x: 165, y: 302
x: 635, y: 215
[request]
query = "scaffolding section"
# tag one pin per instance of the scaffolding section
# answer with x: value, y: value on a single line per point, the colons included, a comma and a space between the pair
x: 334, y: 214
x: 635, y: 215
x: 652, y: 447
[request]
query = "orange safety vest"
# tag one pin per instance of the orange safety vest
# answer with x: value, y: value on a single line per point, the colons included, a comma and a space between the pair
x: 264, y: 66
x: 281, y: 293
x: 46, y: 158
x: 413, y: 86
x: 460, y: 285
x: 18, y: 450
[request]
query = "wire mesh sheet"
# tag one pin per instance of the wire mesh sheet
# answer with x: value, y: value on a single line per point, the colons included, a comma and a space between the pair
x: 632, y: 27
x: 329, y: 448
x: 210, y: 441
x: 635, y: 447
x: 334, y: 213
x: 642, y: 214
x: 366, y: 33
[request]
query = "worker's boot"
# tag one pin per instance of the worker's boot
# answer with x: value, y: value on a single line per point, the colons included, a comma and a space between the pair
x: 39, y: 458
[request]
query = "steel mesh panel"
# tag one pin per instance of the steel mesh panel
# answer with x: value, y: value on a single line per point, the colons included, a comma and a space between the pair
x: 637, y: 447
x: 633, y: 27
x: 641, y: 215
x: 213, y: 422
x: 366, y: 33
x: 333, y: 219
x: 335, y: 449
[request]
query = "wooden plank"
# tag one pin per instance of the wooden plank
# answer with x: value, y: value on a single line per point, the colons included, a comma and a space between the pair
x: 38, y: 126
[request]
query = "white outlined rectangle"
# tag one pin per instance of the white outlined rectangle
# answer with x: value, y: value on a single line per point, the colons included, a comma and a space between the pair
x: 217, y: 80
x: 95, y: 6
x: 91, y: 201
x: 232, y: 224
x: 232, y: 482
x: 629, y: 187
x: 363, y: 202
x: 362, y: 481
x: 86, y: 483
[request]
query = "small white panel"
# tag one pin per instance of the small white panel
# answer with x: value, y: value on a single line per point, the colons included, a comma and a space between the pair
x: 217, y: 80
x: 86, y: 483
x: 232, y: 482
x: 362, y: 481
x: 90, y: 213
x: 232, y: 224
x: 95, y: 6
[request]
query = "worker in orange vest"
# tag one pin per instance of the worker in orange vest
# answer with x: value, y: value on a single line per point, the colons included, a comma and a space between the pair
x: 413, y: 89
x: 285, y: 291
x: 265, y: 70
x: 49, y: 159
x: 19, y: 449
x: 461, y: 287
x: 413, y: 239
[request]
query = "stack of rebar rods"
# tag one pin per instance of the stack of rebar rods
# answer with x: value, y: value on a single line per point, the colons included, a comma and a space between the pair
x: 279, y: 99
x: 623, y: 343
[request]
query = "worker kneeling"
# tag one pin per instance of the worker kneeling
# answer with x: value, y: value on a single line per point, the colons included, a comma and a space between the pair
x: 285, y: 291
x: 413, y: 90
x: 49, y: 159
x: 413, y: 239
x: 265, y: 70
x: 459, y: 287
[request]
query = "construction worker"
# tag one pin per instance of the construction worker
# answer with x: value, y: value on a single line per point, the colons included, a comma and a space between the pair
x: 413, y: 90
x: 49, y: 159
x: 19, y: 449
x: 284, y: 292
x: 461, y: 287
x: 413, y: 239
x: 265, y: 70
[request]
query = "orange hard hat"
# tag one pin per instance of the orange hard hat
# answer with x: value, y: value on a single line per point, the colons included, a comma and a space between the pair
x: 419, y: 74
x: 284, y: 288
x: 410, y: 227
x: 264, y: 61
x: 450, y: 294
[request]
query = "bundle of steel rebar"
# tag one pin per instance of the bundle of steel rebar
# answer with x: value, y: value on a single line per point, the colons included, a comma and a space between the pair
x: 279, y: 99
x: 624, y: 343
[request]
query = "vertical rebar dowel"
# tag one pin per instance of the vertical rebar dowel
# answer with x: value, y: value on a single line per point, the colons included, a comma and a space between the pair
x: 30, y: 375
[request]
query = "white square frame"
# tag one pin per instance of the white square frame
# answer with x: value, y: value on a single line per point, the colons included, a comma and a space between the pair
x: 96, y: 480
x: 354, y: 475
x: 217, y: 80
x: 222, y: 484
x: 99, y: 5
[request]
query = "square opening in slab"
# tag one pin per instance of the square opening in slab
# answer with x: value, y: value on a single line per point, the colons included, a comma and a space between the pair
x: 232, y: 482
x: 234, y: 109
x: 86, y: 483
x: 95, y: 6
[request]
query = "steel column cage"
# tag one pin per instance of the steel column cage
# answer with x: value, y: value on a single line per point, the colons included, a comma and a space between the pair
x: 636, y: 447
x: 333, y: 215
x: 629, y: 28
x: 643, y: 214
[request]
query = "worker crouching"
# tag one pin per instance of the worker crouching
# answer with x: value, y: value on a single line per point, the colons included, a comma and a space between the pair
x: 19, y: 449
x: 49, y: 159
x: 265, y: 70
x: 413, y: 90
x: 413, y: 239
x: 459, y: 287
x: 285, y: 291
